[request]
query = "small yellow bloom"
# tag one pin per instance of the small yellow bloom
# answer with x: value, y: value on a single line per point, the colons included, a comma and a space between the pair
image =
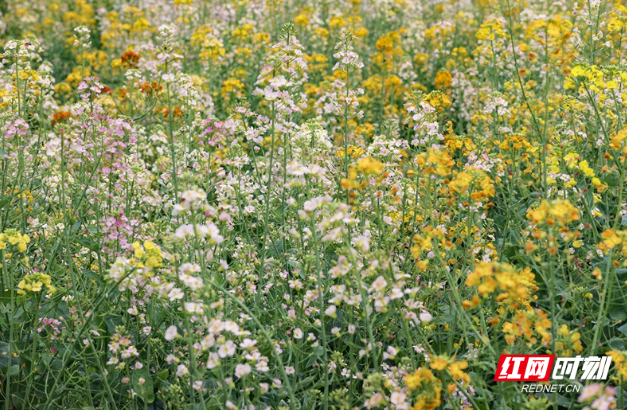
x: 370, y: 166
x: 438, y: 363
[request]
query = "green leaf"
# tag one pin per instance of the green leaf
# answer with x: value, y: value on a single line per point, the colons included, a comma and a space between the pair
x: 94, y: 276
x: 305, y: 383
x: 142, y: 385
x: 88, y: 244
x: 76, y: 227
x: 616, y: 343
x: 612, y: 180
x: 317, y: 354
x: 113, y: 321
x: 383, y: 319
x: 163, y: 374
x: 618, y: 313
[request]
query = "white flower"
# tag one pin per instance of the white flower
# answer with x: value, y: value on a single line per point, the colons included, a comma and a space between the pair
x: 263, y: 387
x: 309, y: 206
x: 189, y: 268
x: 262, y: 366
x: 175, y: 294
x: 378, y: 285
x: 191, y: 282
x: 247, y: 344
x: 426, y: 317
x: 171, y: 333
x: 362, y: 242
x: 242, y: 370
x: 129, y: 351
x: 191, y: 307
x: 390, y: 353
x: 213, y: 361
x: 298, y: 334
x: 181, y: 370
x: 398, y: 399
x: 227, y: 349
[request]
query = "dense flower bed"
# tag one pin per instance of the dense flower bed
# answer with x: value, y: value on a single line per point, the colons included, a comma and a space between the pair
x: 309, y: 204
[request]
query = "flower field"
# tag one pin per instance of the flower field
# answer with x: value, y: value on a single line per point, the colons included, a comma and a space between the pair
x: 311, y: 204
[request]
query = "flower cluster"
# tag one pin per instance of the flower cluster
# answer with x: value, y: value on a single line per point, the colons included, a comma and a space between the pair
x: 260, y: 204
